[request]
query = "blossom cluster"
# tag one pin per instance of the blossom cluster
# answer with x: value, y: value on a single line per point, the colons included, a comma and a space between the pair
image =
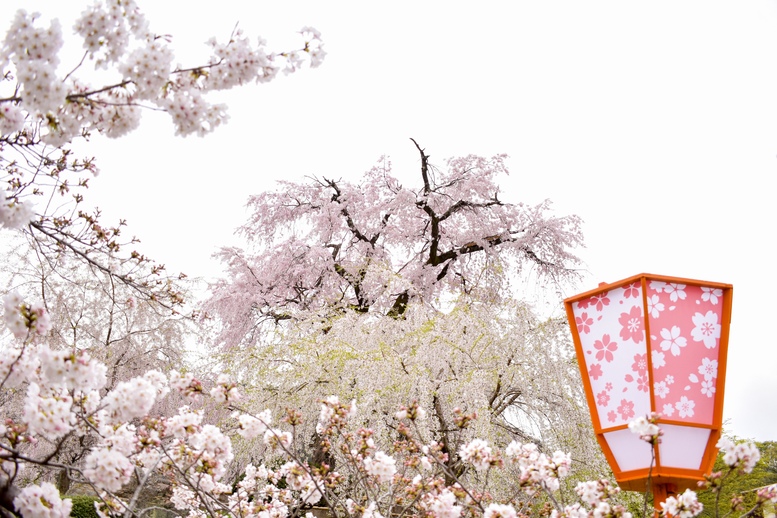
x: 13, y: 213
x: 685, y: 505
x: 381, y: 466
x: 647, y: 428
x: 537, y: 469
x: 43, y: 501
x: 742, y: 456
x: 23, y: 318
x: 116, y: 36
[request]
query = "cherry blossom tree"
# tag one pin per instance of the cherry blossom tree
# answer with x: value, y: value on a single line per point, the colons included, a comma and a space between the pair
x: 324, y: 246
x: 385, y: 294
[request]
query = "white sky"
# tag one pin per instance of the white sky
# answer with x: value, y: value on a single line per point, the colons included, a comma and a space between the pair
x: 656, y: 122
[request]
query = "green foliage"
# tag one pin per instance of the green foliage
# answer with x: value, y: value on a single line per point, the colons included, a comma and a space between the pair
x: 83, y: 506
x: 744, y: 484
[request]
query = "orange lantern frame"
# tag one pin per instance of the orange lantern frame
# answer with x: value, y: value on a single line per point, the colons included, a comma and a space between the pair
x: 665, y: 475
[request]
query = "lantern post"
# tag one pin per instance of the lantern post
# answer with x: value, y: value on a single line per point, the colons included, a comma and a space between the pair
x: 654, y: 344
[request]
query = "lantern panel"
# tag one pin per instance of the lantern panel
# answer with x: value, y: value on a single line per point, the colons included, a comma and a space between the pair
x: 612, y: 334
x: 685, y: 326
x: 682, y: 446
x: 629, y: 450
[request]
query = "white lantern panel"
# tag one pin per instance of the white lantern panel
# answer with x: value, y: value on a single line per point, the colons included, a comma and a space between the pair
x: 629, y: 450
x: 612, y: 334
x: 682, y: 446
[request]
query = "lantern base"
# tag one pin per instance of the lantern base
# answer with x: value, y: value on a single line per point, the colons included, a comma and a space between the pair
x: 660, y: 493
x: 678, y: 484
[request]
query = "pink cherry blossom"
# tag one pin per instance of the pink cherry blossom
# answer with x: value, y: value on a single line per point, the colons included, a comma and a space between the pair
x: 605, y: 348
x: 600, y: 300
x: 626, y: 409
x: 595, y: 371
x: 602, y: 398
x: 631, y: 290
x: 584, y: 304
x: 597, y: 301
x: 640, y: 364
x: 632, y: 327
x: 584, y: 323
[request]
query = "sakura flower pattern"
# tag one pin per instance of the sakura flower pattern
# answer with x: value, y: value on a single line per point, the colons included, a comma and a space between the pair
x: 626, y: 409
x: 659, y: 359
x: 711, y: 295
x: 616, y: 355
x: 640, y: 364
x: 676, y: 291
x: 672, y: 341
x: 655, y: 306
x: 708, y: 388
x: 604, y: 348
x: 584, y: 323
x: 696, y: 312
x: 673, y: 369
x: 597, y: 302
x: 632, y: 327
x: 707, y: 329
x: 685, y: 407
x: 660, y: 389
x: 631, y: 290
x: 708, y: 368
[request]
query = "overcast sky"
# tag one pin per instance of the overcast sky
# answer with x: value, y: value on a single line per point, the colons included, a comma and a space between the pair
x: 656, y: 122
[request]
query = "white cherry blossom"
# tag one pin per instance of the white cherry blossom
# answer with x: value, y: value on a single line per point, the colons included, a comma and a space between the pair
x: 672, y: 341
x: 42, y: 501
x: 707, y: 329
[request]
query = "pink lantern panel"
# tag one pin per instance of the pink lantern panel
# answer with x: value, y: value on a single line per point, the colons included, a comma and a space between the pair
x: 685, y: 324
